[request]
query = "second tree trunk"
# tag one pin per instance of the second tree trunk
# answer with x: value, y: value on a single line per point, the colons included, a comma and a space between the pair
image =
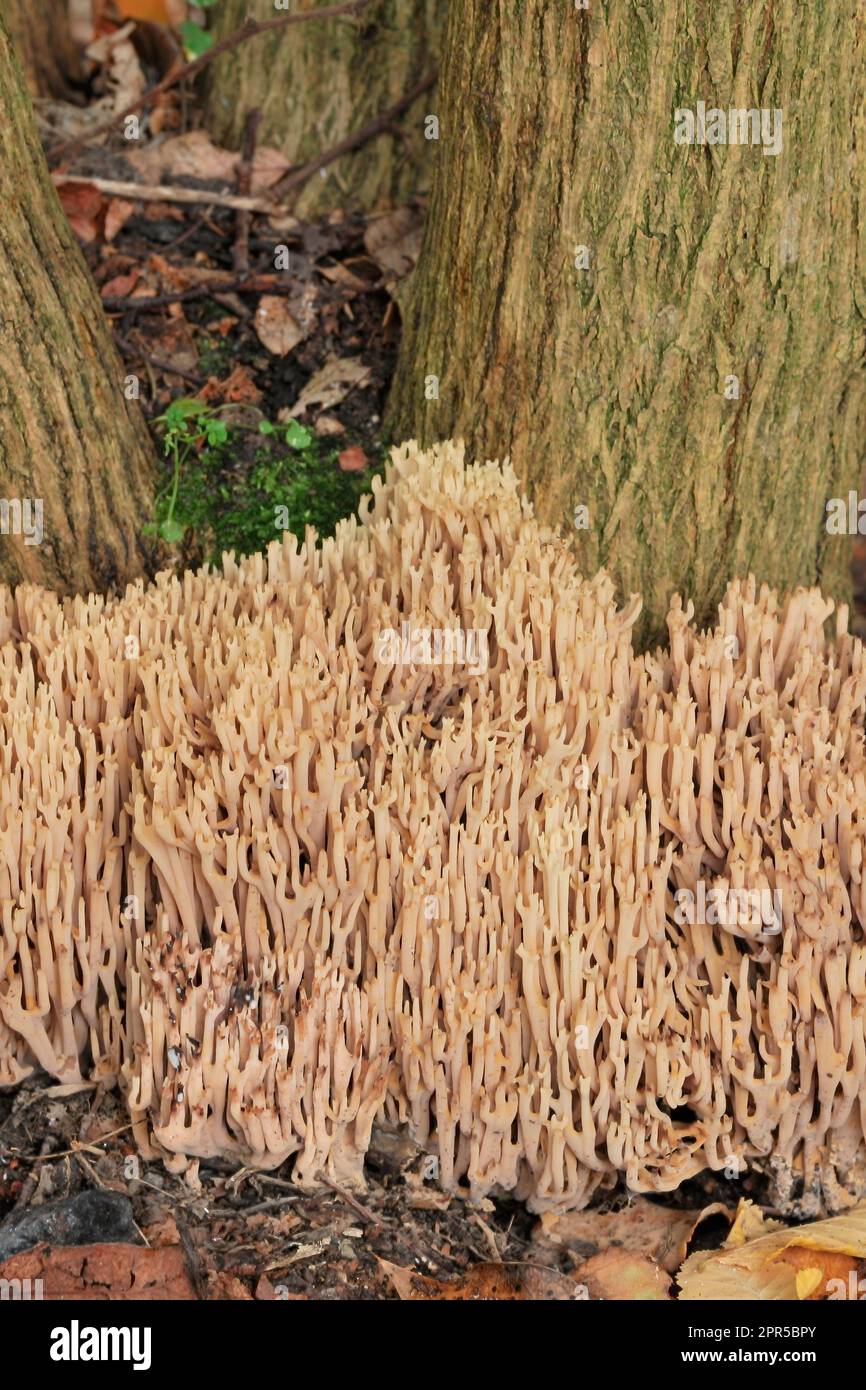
x: 666, y: 338
x: 319, y: 82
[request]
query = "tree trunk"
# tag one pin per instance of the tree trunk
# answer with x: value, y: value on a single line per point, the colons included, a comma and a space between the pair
x: 69, y: 439
x: 40, y: 33
x: 694, y: 377
x: 319, y: 82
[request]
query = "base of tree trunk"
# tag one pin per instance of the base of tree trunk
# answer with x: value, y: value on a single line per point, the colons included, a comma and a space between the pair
x: 319, y: 82
x: 668, y: 340
x: 77, y: 464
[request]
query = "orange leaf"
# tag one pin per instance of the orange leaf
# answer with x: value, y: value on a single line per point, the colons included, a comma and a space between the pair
x: 162, y: 11
x: 83, y: 205
x: 352, y: 460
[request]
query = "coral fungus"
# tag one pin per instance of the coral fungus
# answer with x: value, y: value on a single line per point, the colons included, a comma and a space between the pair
x: 281, y: 877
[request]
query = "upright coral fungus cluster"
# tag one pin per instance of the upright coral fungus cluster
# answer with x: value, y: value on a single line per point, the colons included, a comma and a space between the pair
x: 400, y: 825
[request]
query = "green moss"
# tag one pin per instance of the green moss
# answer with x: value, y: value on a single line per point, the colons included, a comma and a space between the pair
x: 236, y: 489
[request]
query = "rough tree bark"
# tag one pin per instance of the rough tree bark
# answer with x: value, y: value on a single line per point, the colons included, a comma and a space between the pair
x: 611, y: 386
x: 68, y: 437
x: 319, y: 82
x: 40, y: 33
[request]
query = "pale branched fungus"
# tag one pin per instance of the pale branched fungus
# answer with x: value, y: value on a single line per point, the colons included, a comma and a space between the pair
x: 400, y: 826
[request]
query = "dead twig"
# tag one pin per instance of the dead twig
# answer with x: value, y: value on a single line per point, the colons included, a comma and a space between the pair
x: 271, y: 1205
x: 171, y: 193
x: 258, y: 284
x: 296, y: 177
x: 354, y: 1204
x: 28, y: 1187
x: 241, y: 249
x: 250, y: 29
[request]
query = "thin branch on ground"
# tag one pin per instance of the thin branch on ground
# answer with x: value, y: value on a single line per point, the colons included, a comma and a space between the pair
x: 241, y: 249
x: 257, y: 284
x: 171, y: 193
x: 250, y: 29
x: 295, y: 178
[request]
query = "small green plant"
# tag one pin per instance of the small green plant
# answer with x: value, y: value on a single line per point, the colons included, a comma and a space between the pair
x: 195, y: 38
x: 187, y: 425
x: 237, y: 487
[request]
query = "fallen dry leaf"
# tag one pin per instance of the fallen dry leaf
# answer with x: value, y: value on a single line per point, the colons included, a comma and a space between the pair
x: 191, y: 154
x: 163, y: 1232
x: 222, y: 1285
x: 794, y: 1262
x: 815, y: 1268
x: 276, y: 326
x: 394, y: 242
x: 659, y: 1233
x: 123, y: 72
x: 620, y: 1275
x: 120, y: 286
x: 484, y: 1282
x: 340, y: 274
x: 84, y: 206
x: 173, y: 345
x: 269, y: 165
x: 195, y: 154
x: 329, y: 386
x: 129, y: 1272
x: 268, y: 1292
x: 238, y: 386
x: 117, y: 214
x: 353, y: 460
x: 327, y: 425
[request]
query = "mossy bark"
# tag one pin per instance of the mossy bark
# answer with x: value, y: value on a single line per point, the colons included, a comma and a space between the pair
x: 318, y: 82
x: 68, y: 437
x: 611, y: 386
x: 40, y: 32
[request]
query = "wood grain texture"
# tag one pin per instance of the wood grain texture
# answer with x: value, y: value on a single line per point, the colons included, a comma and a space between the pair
x: 40, y: 33
x: 321, y: 81
x: 68, y: 436
x: 606, y: 386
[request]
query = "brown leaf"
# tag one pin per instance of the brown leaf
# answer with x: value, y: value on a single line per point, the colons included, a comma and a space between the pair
x: 394, y: 242
x: 123, y: 71
x: 484, y: 1282
x: 643, y: 1228
x: 617, y: 1274
x: 117, y: 214
x: 340, y: 274
x: 276, y: 327
x: 129, y: 1272
x: 269, y: 165
x: 330, y: 385
x: 84, y: 206
x: 162, y: 1232
x: 120, y: 286
x: 222, y: 1285
x: 826, y: 1264
x: 193, y: 154
x: 353, y: 460
x: 327, y: 425
x: 238, y: 386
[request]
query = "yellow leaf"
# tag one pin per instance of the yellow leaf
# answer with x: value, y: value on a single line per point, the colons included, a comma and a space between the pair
x: 808, y: 1281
